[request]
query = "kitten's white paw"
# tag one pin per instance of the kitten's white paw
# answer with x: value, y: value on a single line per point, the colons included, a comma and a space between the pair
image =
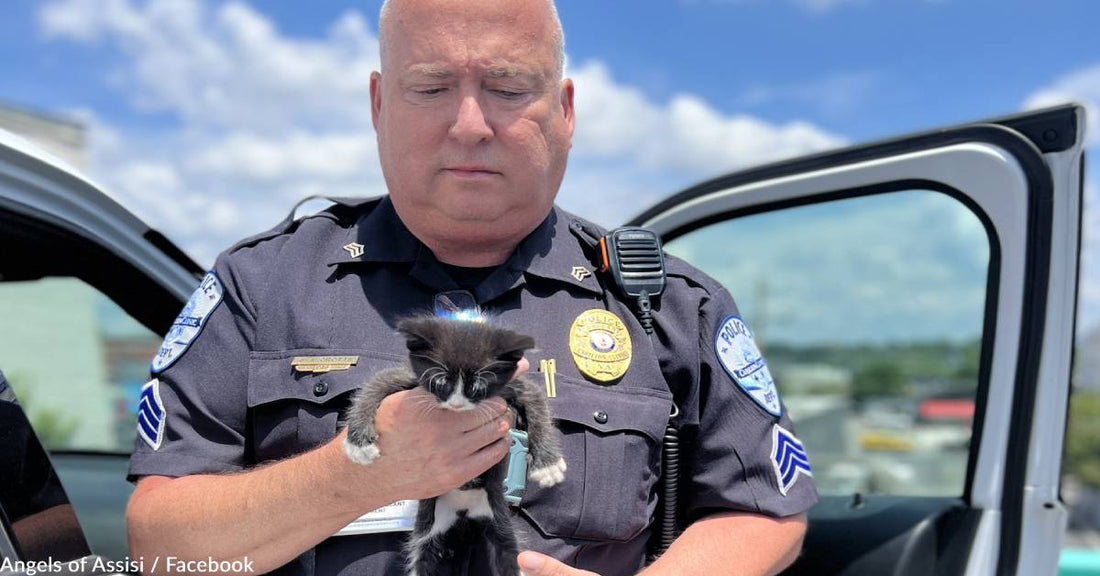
x: 363, y: 455
x: 549, y: 475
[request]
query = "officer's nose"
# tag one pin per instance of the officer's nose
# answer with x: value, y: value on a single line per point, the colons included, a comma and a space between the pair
x: 470, y: 126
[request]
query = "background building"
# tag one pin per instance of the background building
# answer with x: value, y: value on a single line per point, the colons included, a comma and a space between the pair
x: 74, y: 358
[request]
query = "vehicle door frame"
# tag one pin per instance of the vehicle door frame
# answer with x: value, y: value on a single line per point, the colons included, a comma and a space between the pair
x: 1035, y: 141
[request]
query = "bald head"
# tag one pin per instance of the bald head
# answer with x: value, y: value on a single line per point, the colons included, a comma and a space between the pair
x: 474, y: 121
x: 557, y: 35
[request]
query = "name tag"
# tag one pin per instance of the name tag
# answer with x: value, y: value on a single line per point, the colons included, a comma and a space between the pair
x: 322, y: 364
x: 397, y: 517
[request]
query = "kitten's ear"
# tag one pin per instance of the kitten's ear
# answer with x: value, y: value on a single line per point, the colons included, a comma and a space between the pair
x: 513, y: 346
x: 419, y: 333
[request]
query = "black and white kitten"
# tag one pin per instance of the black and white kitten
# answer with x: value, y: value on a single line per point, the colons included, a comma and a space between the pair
x: 462, y: 363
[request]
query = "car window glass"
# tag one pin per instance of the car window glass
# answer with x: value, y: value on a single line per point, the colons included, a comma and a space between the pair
x: 869, y: 311
x: 76, y: 362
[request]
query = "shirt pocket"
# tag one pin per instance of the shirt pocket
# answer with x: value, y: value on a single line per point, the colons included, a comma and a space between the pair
x: 291, y: 412
x: 611, y: 442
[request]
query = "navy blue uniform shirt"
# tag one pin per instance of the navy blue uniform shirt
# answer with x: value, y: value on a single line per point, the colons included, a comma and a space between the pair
x: 225, y: 396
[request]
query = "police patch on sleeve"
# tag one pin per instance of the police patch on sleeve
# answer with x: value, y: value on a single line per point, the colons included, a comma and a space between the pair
x: 189, y: 323
x: 742, y: 360
x: 789, y: 458
x: 151, y: 414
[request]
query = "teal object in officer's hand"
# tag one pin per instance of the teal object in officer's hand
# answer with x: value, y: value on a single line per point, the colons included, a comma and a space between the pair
x: 516, y: 481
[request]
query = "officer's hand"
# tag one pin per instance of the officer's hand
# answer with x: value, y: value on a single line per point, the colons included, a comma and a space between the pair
x: 521, y: 368
x: 535, y: 564
x: 426, y: 450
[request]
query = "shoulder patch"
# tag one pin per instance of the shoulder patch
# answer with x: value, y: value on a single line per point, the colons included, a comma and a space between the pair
x: 789, y: 458
x: 739, y: 356
x: 151, y: 414
x: 189, y: 323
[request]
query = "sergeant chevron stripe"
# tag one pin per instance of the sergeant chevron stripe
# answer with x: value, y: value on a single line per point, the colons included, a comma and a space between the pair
x: 151, y: 414
x: 789, y: 458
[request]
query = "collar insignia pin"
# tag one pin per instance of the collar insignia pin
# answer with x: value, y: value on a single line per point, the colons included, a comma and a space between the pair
x: 580, y: 273
x: 355, y: 249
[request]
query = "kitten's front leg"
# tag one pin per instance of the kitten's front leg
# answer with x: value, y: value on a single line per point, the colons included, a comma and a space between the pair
x: 547, y: 464
x: 360, y: 444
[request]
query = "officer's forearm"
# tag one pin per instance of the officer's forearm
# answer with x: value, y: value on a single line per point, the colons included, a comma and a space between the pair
x: 269, y: 515
x: 733, y: 543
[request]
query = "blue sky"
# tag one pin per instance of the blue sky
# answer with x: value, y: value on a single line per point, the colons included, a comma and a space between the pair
x: 210, y: 118
x: 907, y: 64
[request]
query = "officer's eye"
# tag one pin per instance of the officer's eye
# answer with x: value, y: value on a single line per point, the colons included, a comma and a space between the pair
x: 430, y: 91
x: 508, y: 94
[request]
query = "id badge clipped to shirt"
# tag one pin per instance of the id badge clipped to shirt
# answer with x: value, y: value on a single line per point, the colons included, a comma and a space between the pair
x: 397, y: 517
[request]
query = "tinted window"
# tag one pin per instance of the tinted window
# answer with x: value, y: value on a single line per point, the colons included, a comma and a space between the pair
x: 76, y: 361
x: 869, y: 311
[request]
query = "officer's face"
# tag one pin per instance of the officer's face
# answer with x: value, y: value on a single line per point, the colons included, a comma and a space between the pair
x: 473, y: 124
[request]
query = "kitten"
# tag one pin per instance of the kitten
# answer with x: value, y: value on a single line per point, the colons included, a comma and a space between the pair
x: 462, y: 363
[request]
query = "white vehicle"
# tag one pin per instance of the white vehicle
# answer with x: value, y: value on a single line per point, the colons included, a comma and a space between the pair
x: 963, y: 477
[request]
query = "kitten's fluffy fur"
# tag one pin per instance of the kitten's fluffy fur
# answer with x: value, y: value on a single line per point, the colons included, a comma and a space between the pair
x: 461, y: 364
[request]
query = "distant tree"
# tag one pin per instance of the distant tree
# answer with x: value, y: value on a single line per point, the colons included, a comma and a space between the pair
x: 879, y: 377
x: 54, y: 429
x: 971, y: 359
x: 1083, y: 438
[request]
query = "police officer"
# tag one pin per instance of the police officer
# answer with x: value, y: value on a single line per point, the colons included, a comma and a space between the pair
x: 239, y: 452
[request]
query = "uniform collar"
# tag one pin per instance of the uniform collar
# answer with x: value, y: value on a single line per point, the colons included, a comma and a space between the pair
x: 551, y: 251
x: 378, y: 236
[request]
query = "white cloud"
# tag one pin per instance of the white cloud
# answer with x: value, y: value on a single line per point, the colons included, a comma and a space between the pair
x: 834, y: 96
x: 630, y: 151
x: 812, y: 6
x: 1082, y: 86
x: 261, y: 119
x: 258, y: 119
x: 226, y: 67
x: 820, y: 6
x: 296, y: 155
x: 686, y: 134
x: 84, y: 20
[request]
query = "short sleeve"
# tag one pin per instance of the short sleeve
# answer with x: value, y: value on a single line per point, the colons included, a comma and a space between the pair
x: 744, y: 454
x: 192, y: 413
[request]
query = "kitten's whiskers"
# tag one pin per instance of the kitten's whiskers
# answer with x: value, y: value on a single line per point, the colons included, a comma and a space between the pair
x: 486, y: 412
x: 430, y: 372
x: 425, y: 407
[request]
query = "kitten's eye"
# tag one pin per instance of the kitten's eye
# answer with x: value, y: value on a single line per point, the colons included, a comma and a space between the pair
x: 439, y: 381
x: 478, y: 388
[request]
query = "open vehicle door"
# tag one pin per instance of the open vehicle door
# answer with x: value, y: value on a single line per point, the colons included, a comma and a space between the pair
x: 85, y: 290
x: 915, y: 299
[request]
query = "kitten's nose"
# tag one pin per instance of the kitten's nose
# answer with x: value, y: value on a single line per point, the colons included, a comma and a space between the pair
x: 458, y: 401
